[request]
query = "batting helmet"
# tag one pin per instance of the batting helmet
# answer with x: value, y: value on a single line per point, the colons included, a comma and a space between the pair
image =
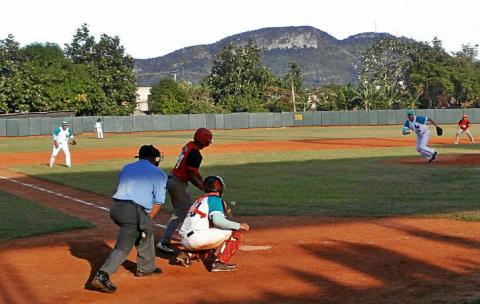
x: 213, y: 184
x: 203, y: 136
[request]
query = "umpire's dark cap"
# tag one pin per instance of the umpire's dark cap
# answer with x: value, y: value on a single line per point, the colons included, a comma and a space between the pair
x: 148, y: 151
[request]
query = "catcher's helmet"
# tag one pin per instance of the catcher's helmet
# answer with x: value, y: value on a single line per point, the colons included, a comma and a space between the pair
x: 203, y: 136
x: 213, y: 184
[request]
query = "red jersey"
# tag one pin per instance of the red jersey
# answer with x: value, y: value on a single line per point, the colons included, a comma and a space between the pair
x: 464, y: 124
x: 188, y: 160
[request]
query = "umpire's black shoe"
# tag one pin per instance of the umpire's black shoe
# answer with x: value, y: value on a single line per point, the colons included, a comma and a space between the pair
x: 219, y: 267
x: 139, y: 273
x: 102, y: 282
x: 165, y: 247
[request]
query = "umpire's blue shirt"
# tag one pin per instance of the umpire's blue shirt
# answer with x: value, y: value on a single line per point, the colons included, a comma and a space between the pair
x: 142, y: 183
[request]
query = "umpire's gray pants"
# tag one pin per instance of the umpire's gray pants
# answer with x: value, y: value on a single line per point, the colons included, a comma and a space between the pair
x: 133, y: 220
x: 181, y: 201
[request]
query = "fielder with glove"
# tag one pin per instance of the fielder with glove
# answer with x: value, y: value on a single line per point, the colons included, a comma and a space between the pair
x: 206, y: 228
x: 61, y: 136
x: 418, y: 124
x: 464, y: 128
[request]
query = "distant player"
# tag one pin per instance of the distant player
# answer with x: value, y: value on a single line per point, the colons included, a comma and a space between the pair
x: 186, y: 170
x: 61, y: 137
x: 206, y: 227
x: 418, y: 124
x: 99, y: 128
x: 464, y: 127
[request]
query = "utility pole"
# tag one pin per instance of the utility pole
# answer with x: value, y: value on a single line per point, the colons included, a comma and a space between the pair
x: 293, y: 97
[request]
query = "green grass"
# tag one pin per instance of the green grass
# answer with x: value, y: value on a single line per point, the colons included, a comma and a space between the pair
x: 89, y: 141
x: 20, y: 218
x: 354, y: 183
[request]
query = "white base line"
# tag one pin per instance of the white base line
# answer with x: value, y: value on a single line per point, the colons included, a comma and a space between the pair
x: 64, y: 196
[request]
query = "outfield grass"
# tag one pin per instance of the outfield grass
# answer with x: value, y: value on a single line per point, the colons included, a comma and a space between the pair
x: 357, y: 182
x: 20, y: 218
x: 89, y: 141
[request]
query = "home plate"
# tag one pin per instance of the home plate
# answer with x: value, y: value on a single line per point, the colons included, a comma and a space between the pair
x: 254, y: 248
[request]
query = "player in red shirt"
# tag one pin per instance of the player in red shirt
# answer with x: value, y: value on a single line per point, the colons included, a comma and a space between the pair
x: 464, y: 127
x: 186, y: 170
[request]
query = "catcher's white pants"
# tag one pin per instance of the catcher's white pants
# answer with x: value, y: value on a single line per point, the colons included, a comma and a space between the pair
x: 55, y: 151
x: 422, y: 142
x: 205, y: 239
x: 99, y: 133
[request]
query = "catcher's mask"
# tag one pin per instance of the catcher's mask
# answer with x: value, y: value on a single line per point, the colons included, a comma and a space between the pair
x: 214, y: 184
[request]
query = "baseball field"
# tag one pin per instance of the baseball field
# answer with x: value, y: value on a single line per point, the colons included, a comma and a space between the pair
x: 337, y: 215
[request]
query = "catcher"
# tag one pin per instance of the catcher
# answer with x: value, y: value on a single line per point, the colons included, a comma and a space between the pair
x: 419, y: 125
x: 464, y: 127
x: 206, y: 228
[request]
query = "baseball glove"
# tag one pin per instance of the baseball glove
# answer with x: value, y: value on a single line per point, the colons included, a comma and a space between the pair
x: 439, y: 131
x: 73, y: 142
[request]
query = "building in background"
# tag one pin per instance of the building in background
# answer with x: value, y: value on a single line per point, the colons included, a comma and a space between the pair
x: 142, y: 101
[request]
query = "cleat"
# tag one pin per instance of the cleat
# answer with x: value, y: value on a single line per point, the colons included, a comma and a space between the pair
x: 165, y: 247
x: 101, y: 281
x: 139, y: 273
x: 434, y: 157
x: 183, y: 259
x: 221, y: 267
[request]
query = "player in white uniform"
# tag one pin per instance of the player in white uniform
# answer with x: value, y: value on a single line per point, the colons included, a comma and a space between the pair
x: 61, y: 136
x: 418, y: 124
x: 99, y: 128
x: 207, y: 228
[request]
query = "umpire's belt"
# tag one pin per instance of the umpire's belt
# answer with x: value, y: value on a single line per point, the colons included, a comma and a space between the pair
x: 127, y: 202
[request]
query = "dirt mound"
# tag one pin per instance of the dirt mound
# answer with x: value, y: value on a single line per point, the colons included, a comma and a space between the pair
x: 460, y: 160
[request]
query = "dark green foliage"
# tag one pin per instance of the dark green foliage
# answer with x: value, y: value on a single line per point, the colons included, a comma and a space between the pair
x: 167, y: 97
x: 88, y: 77
x: 416, y: 74
x: 237, y: 81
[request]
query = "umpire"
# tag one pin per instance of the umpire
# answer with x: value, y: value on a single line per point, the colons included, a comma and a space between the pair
x: 140, y: 193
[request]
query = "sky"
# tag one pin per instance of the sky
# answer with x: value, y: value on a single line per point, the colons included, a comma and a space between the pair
x: 152, y: 28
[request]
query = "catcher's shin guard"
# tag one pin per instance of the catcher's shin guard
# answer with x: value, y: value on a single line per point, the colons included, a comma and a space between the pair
x: 230, y: 247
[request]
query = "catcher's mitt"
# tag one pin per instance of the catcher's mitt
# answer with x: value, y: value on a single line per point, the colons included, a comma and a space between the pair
x: 439, y: 131
x: 73, y: 142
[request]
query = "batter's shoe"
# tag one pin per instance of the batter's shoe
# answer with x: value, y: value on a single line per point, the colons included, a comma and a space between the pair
x: 102, y: 282
x: 165, y: 247
x: 183, y: 259
x: 220, y: 267
x: 140, y: 274
x: 434, y: 157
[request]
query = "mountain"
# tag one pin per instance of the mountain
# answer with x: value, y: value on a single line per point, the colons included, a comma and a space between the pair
x: 323, y: 58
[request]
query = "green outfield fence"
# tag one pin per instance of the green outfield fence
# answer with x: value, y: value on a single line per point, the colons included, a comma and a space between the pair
x: 120, y: 124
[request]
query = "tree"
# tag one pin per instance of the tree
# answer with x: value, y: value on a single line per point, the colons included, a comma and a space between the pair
x: 81, y: 49
x: 168, y: 97
x: 114, y: 70
x: 109, y: 66
x: 293, y: 80
x: 17, y: 90
x: 468, y: 53
x: 237, y: 81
